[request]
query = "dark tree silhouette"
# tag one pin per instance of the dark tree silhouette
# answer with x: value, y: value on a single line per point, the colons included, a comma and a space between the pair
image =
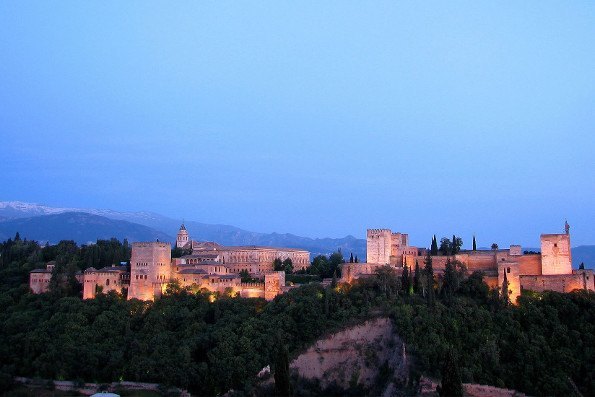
x: 451, y: 377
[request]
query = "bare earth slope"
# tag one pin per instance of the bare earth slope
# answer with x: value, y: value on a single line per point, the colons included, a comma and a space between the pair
x: 355, y: 354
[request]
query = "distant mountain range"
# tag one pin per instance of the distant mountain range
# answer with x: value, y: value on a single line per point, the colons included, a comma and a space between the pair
x: 78, y: 226
x: 43, y: 223
x: 52, y: 224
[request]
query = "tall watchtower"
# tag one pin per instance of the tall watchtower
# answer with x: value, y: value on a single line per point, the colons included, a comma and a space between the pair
x: 150, y: 269
x: 556, y: 257
x: 183, y: 237
x: 378, y: 246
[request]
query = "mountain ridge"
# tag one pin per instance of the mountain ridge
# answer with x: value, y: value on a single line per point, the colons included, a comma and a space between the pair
x: 78, y: 226
x: 224, y: 234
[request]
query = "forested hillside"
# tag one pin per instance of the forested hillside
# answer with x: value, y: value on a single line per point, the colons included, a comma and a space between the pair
x: 210, y: 344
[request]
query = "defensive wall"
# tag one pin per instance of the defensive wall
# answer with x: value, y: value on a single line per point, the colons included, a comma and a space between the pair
x: 549, y: 270
x: 579, y: 279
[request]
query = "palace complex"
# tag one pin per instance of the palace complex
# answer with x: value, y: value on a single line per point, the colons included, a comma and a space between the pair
x: 216, y: 268
x: 208, y: 266
x: 549, y: 270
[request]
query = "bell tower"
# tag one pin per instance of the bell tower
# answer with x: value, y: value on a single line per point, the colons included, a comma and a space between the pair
x: 183, y: 237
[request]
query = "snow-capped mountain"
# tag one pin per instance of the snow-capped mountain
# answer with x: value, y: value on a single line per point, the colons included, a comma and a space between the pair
x: 20, y: 209
x: 223, y: 234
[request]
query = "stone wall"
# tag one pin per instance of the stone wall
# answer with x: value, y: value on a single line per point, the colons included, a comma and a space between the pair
x: 530, y: 264
x: 252, y: 290
x: 580, y: 279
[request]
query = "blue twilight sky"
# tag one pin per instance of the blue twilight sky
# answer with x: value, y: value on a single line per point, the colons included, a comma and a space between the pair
x: 314, y: 118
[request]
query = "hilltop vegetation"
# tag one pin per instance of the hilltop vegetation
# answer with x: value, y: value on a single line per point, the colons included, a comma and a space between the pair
x: 543, y: 346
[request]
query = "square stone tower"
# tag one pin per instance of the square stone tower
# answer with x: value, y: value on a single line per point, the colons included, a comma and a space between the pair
x: 273, y: 283
x: 378, y: 246
x: 556, y: 257
x: 150, y: 269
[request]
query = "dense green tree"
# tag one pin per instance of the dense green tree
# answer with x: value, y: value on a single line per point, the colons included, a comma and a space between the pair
x: 288, y: 266
x: 457, y: 243
x: 445, y: 246
x: 474, y: 244
x: 278, y: 265
x: 475, y: 288
x: 319, y: 265
x: 325, y: 267
x: 387, y: 281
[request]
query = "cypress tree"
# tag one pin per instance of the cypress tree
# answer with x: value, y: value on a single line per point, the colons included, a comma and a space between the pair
x: 282, y: 386
x: 351, y: 258
x: 429, y: 271
x: 449, y: 281
x: 452, y: 385
x: 505, y: 297
x: 434, y: 248
x: 416, y: 280
x: 405, y: 282
x: 356, y: 260
x: 474, y: 244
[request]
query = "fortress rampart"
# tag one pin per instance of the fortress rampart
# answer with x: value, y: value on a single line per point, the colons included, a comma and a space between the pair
x: 550, y: 270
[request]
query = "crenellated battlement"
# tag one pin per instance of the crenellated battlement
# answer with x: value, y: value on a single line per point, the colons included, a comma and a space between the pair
x: 152, y: 244
x: 378, y: 231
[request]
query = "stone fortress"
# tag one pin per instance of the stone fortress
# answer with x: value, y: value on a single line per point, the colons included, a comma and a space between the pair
x: 209, y: 266
x: 549, y: 270
x: 216, y: 268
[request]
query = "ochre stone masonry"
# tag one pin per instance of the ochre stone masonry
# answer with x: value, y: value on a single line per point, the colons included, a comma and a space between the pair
x: 550, y: 270
x: 216, y: 268
x: 210, y: 266
x: 555, y: 254
x: 39, y: 279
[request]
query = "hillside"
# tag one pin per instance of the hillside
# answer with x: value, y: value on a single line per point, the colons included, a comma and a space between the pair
x: 77, y: 226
